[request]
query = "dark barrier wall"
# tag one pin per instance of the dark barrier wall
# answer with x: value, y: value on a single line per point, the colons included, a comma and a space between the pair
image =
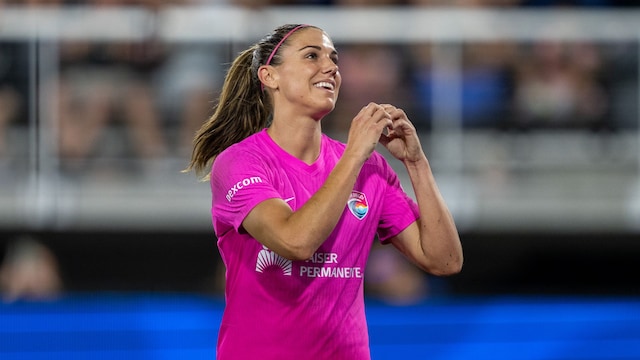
x: 495, y: 263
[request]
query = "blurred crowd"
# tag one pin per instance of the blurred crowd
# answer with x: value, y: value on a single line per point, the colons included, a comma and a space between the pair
x: 157, y: 3
x: 144, y: 100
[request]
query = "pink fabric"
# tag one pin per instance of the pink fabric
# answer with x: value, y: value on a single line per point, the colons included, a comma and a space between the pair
x: 314, y: 309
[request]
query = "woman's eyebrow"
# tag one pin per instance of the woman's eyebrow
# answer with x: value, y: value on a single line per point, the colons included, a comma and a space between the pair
x: 334, y: 51
x: 310, y: 46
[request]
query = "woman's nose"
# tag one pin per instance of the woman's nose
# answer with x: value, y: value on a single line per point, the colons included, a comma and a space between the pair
x: 330, y: 67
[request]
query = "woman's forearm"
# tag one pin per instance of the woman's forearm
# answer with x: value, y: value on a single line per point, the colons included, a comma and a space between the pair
x: 439, y: 239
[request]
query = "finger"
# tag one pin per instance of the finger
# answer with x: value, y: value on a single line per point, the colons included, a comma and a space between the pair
x: 373, y: 108
x: 389, y: 108
x: 367, y: 110
x: 384, y: 140
x: 393, y: 110
x: 378, y: 115
x: 384, y: 112
x: 396, y: 113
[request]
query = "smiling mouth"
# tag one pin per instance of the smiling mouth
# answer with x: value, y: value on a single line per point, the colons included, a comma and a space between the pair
x: 325, y: 85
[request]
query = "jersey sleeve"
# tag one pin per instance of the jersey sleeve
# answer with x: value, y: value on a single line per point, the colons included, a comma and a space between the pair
x: 239, y: 181
x: 400, y: 210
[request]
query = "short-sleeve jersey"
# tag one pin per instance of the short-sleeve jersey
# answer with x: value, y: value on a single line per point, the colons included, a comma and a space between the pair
x: 314, y: 309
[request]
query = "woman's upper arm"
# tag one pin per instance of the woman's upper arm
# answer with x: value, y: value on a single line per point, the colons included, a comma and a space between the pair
x: 266, y: 223
x: 408, y: 243
x: 434, y: 253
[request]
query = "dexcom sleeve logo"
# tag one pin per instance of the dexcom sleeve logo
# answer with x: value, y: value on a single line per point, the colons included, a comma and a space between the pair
x: 242, y: 184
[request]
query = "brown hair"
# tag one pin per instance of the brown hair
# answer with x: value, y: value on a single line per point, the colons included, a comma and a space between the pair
x: 243, y: 109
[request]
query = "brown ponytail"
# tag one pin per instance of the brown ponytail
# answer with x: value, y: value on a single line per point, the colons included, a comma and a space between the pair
x: 243, y: 109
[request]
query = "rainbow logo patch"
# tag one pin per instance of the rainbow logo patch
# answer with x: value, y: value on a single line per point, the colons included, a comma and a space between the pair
x: 358, y: 204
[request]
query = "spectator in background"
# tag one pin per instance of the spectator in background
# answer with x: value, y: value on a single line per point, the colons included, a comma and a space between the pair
x: 581, y: 3
x: 29, y: 271
x: 14, y: 82
x: 621, y: 69
x: 256, y: 4
x: 484, y: 77
x: 487, y: 83
x: 13, y: 90
x: 185, y: 85
x: 392, y: 279
x: 464, y: 3
x: 284, y: 2
x: 104, y: 82
x: 371, y: 73
x: 558, y: 85
x: 186, y: 82
x: 367, y: 2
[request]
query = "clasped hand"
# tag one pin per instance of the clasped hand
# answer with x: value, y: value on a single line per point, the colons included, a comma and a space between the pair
x: 389, y: 126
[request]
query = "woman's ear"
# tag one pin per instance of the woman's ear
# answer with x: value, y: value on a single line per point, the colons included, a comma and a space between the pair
x: 267, y: 76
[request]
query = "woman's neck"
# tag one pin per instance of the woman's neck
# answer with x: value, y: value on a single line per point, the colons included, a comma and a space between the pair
x: 299, y: 137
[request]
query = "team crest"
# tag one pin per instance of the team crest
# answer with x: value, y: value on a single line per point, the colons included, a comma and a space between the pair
x: 358, y: 204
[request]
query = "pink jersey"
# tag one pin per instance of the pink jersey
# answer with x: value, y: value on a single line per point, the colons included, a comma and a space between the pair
x: 282, y: 309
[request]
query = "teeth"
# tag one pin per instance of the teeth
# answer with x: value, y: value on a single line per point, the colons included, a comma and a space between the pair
x: 325, y: 85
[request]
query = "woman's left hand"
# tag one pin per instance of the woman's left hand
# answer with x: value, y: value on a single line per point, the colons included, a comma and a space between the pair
x: 402, y: 138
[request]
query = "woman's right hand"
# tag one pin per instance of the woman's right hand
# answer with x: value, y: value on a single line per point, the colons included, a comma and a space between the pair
x: 366, y: 129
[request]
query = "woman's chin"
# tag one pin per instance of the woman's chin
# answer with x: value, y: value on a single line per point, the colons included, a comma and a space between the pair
x: 324, y: 112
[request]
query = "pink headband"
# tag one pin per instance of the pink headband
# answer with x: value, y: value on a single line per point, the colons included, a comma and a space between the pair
x: 275, y: 49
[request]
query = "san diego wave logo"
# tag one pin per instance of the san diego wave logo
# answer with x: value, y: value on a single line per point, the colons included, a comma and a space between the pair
x: 358, y: 204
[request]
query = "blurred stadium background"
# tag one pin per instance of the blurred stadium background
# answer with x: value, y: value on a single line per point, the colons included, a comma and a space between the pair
x: 528, y: 111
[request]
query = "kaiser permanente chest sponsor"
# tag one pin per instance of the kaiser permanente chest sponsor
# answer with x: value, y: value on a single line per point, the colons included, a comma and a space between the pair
x: 317, y: 266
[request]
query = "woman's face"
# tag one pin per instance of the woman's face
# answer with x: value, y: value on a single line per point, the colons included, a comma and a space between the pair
x: 308, y: 75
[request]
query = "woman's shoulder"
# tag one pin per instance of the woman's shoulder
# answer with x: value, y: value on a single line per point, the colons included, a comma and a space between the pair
x: 250, y: 149
x: 247, y: 145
